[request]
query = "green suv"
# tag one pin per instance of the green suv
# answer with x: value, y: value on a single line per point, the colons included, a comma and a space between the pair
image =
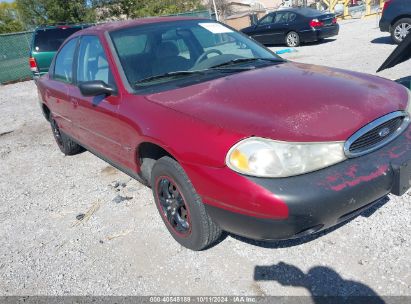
x: 45, y: 43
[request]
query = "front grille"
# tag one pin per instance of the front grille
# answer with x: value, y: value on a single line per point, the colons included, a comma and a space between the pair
x: 376, y: 134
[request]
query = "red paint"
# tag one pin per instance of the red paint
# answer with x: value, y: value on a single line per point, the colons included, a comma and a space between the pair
x: 223, y: 188
x: 352, y: 171
x: 359, y: 179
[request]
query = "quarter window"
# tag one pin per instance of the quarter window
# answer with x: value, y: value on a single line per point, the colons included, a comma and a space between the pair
x: 292, y: 17
x: 63, y: 67
x: 92, y: 61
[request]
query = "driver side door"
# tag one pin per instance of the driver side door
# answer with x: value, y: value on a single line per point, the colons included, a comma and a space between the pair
x: 263, y: 30
x: 96, y: 118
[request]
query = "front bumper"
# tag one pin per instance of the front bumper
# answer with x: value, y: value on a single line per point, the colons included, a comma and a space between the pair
x: 267, y: 208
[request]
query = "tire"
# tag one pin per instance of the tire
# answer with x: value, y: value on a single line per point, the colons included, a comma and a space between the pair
x: 400, y: 29
x: 66, y: 145
x: 292, y: 39
x: 180, y: 206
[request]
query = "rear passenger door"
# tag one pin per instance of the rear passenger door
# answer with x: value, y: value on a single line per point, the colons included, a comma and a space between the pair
x: 96, y: 116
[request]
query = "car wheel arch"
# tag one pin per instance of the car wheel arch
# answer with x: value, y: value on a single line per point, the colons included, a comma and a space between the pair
x: 147, y: 153
x: 398, y: 18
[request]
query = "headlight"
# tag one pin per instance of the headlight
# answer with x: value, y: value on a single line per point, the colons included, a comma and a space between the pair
x: 268, y: 158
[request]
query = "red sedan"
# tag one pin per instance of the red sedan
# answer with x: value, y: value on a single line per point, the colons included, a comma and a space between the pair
x: 229, y: 136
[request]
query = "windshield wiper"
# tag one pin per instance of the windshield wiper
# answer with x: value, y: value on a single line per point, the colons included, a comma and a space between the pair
x: 168, y: 75
x: 184, y: 73
x: 243, y: 60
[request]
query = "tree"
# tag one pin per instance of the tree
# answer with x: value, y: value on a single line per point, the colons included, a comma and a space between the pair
x: 143, y: 8
x: 9, y: 19
x: 223, y: 7
x: 36, y: 12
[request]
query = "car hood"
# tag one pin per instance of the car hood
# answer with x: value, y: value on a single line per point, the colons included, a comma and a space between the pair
x: 401, y: 53
x: 289, y: 101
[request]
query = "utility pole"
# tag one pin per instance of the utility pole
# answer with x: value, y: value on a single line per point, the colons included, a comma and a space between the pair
x: 215, y: 11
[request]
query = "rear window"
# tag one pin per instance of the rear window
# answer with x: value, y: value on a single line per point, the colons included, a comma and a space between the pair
x: 310, y: 12
x: 49, y: 40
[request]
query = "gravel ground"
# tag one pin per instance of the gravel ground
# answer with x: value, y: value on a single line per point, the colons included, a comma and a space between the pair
x: 122, y: 247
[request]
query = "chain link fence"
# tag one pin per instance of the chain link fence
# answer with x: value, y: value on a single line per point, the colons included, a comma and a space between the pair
x: 14, y: 56
x: 15, y: 49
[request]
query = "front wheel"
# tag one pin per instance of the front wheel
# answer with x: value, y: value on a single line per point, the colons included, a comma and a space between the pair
x: 400, y: 30
x: 180, y: 206
x: 292, y: 39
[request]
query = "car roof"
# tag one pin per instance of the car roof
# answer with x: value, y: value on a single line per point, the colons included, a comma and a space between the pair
x: 306, y: 11
x: 62, y: 25
x: 117, y: 25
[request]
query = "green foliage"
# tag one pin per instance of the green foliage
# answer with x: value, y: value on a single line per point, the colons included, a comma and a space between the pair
x: 36, y: 12
x: 146, y: 8
x: 9, y: 19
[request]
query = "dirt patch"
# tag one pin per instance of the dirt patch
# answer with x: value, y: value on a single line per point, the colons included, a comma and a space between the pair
x: 109, y: 171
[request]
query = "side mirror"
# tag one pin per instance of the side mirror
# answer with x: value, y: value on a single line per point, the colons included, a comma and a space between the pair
x: 96, y: 88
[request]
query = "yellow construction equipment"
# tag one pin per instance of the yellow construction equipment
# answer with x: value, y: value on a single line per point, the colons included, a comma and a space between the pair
x: 332, y: 3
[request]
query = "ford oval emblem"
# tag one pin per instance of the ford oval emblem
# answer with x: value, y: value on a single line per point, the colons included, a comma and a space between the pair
x: 384, y: 132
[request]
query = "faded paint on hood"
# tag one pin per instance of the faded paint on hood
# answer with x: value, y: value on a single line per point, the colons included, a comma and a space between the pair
x: 289, y: 101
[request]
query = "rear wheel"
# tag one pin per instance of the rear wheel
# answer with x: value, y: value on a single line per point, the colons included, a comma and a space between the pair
x: 66, y: 145
x: 180, y: 206
x: 400, y: 30
x: 292, y: 39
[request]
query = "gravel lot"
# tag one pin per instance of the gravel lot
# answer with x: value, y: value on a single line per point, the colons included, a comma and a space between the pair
x: 124, y: 249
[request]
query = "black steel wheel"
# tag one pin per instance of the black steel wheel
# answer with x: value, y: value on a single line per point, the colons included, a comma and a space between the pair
x: 173, y: 205
x: 180, y: 207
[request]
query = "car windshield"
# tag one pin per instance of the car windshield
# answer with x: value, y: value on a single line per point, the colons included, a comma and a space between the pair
x: 50, y: 39
x: 181, y: 50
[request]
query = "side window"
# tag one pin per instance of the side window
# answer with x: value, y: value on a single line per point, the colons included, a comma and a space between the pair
x: 266, y: 20
x: 92, y: 61
x: 63, y: 67
x: 281, y: 18
x: 292, y: 17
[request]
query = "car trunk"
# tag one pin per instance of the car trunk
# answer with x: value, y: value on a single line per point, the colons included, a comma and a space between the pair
x: 327, y: 19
